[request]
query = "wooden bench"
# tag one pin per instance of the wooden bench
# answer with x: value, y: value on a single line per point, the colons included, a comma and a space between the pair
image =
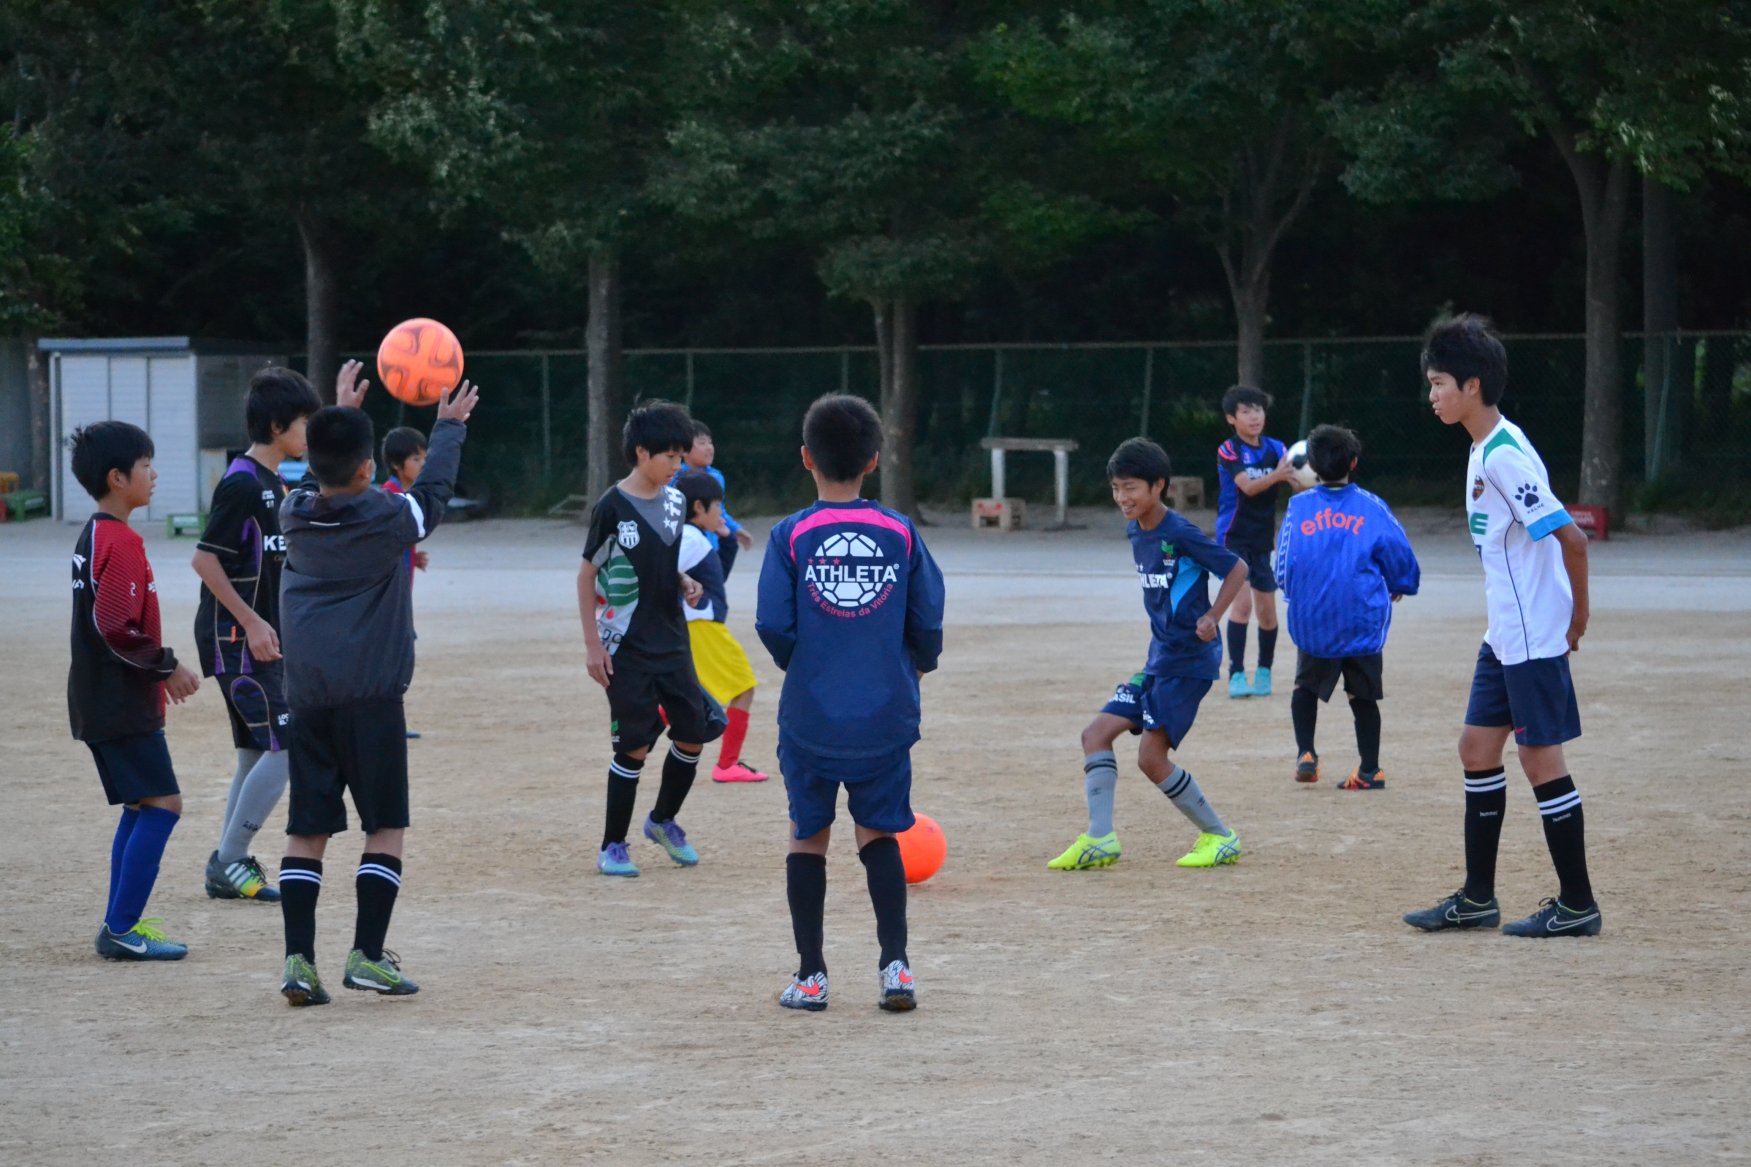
x: 1059, y: 448
x: 184, y: 524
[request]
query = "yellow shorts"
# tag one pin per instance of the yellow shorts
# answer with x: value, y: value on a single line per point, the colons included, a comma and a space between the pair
x: 722, y: 666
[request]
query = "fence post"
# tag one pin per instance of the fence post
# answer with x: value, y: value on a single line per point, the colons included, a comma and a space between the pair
x: 546, y: 421
x: 996, y: 391
x: 1657, y: 462
x: 1306, y: 387
x: 689, y: 401
x: 845, y: 370
x: 1148, y: 381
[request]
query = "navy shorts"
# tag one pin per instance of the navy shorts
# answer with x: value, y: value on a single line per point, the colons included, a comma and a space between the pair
x: 134, y: 767
x: 878, y: 791
x: 636, y: 695
x: 1165, y: 703
x: 362, y: 748
x: 1259, y: 576
x: 256, y: 701
x: 1536, y: 697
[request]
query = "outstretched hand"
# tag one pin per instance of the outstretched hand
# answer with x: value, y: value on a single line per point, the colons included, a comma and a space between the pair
x: 457, y: 404
x: 348, y: 389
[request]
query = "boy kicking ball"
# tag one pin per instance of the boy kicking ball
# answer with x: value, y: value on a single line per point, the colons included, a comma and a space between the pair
x: 1535, y: 589
x: 348, y: 616
x: 1175, y: 561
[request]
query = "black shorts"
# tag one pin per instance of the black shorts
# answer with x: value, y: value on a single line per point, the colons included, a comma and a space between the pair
x: 1364, y: 676
x: 134, y: 767
x: 635, y: 695
x: 256, y: 700
x: 1259, y: 576
x: 360, y: 747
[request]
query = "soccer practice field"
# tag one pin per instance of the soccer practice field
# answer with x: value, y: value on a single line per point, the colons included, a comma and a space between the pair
x: 1272, y: 1012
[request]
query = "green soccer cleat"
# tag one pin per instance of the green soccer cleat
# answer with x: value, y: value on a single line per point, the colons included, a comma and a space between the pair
x: 241, y: 879
x: 300, y: 985
x: 1088, y: 852
x: 1211, y: 851
x: 378, y: 976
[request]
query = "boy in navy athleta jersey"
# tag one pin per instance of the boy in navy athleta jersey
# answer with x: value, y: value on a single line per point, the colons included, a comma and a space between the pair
x: 237, y: 626
x: 851, y: 609
x: 121, y: 673
x: 1343, y: 561
x: 1249, y: 469
x: 1174, y: 563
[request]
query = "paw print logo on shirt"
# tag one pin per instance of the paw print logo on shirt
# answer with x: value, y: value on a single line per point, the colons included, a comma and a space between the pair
x: 1527, y: 496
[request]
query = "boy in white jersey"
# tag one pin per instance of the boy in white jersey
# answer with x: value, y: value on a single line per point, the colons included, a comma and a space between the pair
x: 1535, y: 587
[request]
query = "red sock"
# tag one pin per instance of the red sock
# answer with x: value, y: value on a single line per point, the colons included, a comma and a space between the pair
x: 731, y: 751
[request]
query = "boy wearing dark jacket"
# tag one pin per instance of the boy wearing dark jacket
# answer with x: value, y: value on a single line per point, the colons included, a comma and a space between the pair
x: 347, y: 614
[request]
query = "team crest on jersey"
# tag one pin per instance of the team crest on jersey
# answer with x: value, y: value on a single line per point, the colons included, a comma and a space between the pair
x: 628, y: 535
x: 1477, y: 488
x: 848, y: 575
x: 269, y: 497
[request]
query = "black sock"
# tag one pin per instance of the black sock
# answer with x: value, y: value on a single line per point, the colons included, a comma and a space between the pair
x: 1486, y: 801
x: 1559, y: 804
x: 679, y: 770
x: 1367, y: 714
x: 300, y: 884
x: 886, y: 875
x: 805, y: 881
x: 1304, y: 712
x: 1236, y: 647
x: 1267, y: 647
x: 378, y: 881
x: 622, y: 791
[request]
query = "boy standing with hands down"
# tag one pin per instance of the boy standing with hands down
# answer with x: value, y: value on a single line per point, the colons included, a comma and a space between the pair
x: 630, y: 591
x: 850, y: 607
x: 1535, y: 588
x: 1343, y: 560
x: 348, y: 616
x: 1249, y: 469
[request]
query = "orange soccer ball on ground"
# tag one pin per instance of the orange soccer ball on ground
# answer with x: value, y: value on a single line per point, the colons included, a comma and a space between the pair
x: 419, y: 361
x: 922, y: 849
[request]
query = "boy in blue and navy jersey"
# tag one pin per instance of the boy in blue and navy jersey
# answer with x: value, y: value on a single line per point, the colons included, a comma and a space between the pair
x: 1249, y: 469
x: 850, y: 606
x: 1343, y: 560
x: 699, y: 456
x: 1175, y: 562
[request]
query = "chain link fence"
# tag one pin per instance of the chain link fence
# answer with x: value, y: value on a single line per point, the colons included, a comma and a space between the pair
x: 526, y: 444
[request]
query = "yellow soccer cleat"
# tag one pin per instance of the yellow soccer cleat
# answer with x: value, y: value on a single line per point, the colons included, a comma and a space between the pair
x: 1088, y: 852
x: 1212, y: 851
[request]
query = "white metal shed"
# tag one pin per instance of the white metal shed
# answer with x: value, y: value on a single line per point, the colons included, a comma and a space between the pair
x: 188, y: 394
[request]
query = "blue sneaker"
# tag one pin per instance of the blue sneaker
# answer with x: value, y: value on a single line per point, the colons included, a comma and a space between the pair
x: 1261, y: 682
x: 144, y: 941
x: 1237, y: 686
x: 671, y: 838
x: 1555, y: 918
x: 615, y: 861
x: 1456, y: 912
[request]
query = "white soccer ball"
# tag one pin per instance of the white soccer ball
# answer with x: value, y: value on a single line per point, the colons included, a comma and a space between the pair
x: 850, y: 593
x: 850, y: 543
x: 1304, y: 476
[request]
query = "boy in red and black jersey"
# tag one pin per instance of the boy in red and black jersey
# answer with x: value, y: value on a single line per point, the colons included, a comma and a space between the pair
x: 120, y: 675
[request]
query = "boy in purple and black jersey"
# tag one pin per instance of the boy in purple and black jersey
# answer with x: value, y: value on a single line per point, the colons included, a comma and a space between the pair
x: 237, y: 626
x: 850, y: 607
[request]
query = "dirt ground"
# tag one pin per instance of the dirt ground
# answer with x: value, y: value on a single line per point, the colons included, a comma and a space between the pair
x: 1273, y: 1012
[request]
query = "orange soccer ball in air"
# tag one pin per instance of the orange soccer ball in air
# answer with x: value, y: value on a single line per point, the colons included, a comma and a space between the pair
x: 419, y: 361
x: 922, y: 848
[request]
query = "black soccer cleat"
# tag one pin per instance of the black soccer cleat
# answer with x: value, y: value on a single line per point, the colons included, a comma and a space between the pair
x: 1456, y: 912
x: 1554, y: 918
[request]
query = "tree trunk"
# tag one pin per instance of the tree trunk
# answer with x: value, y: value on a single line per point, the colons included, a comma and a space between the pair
x: 321, y: 302
x: 602, y: 393
x: 1662, y: 391
x: 896, y: 326
x: 1604, y: 192
x: 36, y: 371
x: 1252, y: 303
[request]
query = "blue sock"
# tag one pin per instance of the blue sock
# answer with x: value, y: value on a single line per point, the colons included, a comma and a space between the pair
x: 1100, y: 780
x: 139, y: 872
x: 118, y: 848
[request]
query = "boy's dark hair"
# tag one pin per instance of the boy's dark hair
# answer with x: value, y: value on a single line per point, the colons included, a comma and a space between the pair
x: 1141, y: 459
x: 1330, y: 451
x: 697, y: 486
x: 400, y: 444
x: 1467, y: 346
x: 1239, y: 395
x: 842, y: 433
x: 700, y: 429
x: 340, y: 441
x: 656, y: 427
x: 103, y: 446
x: 277, y: 398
